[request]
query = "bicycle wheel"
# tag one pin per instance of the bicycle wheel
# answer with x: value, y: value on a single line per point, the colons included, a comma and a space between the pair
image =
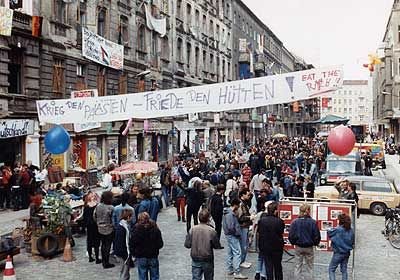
x: 394, y: 236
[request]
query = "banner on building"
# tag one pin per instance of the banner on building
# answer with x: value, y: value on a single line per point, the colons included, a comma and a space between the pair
x: 324, y: 102
x: 15, y: 128
x: 235, y: 95
x: 79, y: 127
x: 101, y: 50
x: 158, y: 25
x: 6, y: 17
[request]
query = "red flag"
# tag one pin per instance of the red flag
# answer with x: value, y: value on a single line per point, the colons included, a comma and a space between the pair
x: 325, y: 102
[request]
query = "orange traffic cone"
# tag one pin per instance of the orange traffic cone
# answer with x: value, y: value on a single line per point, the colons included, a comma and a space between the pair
x: 9, y: 272
x: 67, y: 256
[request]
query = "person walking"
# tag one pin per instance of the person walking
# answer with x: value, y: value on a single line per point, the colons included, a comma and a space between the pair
x: 92, y: 232
x: 232, y: 231
x: 304, y: 234
x: 342, y: 238
x: 179, y: 198
x: 270, y: 229
x: 202, y: 239
x: 122, y: 245
x: 103, y: 217
x: 194, y: 200
x: 216, y: 207
x: 147, y: 242
x: 245, y: 221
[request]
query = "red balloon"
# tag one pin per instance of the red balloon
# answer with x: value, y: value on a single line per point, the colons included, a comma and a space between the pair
x: 341, y: 140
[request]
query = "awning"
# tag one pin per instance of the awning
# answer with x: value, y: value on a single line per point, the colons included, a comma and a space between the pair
x: 332, y: 119
x: 136, y: 167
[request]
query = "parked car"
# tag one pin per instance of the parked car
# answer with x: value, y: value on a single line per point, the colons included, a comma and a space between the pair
x: 375, y: 193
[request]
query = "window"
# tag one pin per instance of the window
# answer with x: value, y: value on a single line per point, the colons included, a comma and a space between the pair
x: 345, y: 101
x: 80, y: 76
x: 350, y: 101
x: 154, y: 44
x: 217, y: 32
x: 165, y: 48
x: 179, y: 8
x: 345, y: 92
x: 234, y: 17
x: 188, y: 53
x: 197, y: 19
x: 334, y: 101
x: 15, y: 70
x: 205, y: 61
x: 345, y: 110
x: 377, y: 187
x: 211, y: 28
x: 211, y: 63
x: 350, y: 110
x: 340, y: 101
x: 82, y: 15
x: 204, y: 24
x: 123, y: 84
x: 13, y: 4
x: 101, y: 22
x: 189, y: 14
x: 60, y: 10
x: 179, y: 54
x: 349, y: 92
x: 196, y: 60
x: 398, y: 32
x: 124, y: 31
x: 223, y: 71
x: 391, y: 68
x: 58, y: 77
x: 340, y: 110
x: 228, y: 11
x: 142, y: 38
x: 335, y: 110
x: 229, y: 71
x: 102, y: 80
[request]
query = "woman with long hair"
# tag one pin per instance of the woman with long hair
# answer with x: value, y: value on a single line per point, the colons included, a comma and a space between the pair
x: 92, y: 234
x: 146, y: 243
x: 342, y: 238
x: 103, y: 217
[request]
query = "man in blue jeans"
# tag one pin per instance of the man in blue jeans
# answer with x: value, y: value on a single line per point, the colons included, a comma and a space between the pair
x: 245, y: 221
x: 231, y: 227
x: 202, y: 239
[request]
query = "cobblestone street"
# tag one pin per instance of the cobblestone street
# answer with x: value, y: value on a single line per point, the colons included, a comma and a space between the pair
x: 371, y: 248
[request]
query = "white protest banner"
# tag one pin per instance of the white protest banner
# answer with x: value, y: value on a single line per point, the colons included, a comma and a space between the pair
x: 102, y: 51
x: 6, y: 17
x: 235, y: 95
x: 14, y: 128
x: 242, y: 45
x: 79, y: 127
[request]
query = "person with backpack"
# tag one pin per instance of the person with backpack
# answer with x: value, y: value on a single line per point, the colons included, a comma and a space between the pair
x: 342, y: 238
x: 148, y: 203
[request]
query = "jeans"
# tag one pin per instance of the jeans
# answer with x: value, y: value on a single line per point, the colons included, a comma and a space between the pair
x: 339, y: 259
x: 124, y: 274
x: 106, y: 241
x: 200, y: 268
x: 165, y: 194
x: 261, y: 268
x: 146, y: 266
x: 244, y: 243
x: 273, y: 264
x: 304, y: 263
x: 234, y: 254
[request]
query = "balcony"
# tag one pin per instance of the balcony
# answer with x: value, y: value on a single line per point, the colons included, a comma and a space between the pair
x: 180, y: 25
x: 22, y: 21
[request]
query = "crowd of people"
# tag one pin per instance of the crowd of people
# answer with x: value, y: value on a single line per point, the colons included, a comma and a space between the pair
x: 235, y: 192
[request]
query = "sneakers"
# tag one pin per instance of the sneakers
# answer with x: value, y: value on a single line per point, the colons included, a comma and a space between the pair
x: 239, y: 276
x: 245, y: 265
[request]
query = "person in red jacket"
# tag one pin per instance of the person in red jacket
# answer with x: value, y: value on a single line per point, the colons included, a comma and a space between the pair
x: 246, y: 174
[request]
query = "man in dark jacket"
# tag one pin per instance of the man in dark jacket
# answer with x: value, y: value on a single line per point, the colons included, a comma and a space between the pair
x: 270, y: 229
x: 296, y: 189
x: 304, y: 234
x: 216, y: 207
x: 202, y: 240
x: 245, y: 221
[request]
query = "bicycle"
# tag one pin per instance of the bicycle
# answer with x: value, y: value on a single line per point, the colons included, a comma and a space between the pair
x: 392, y: 227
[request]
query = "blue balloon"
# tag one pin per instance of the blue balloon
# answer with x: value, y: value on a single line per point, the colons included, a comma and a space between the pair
x: 57, y: 140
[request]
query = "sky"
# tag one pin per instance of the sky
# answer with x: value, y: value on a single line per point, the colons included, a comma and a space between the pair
x: 327, y: 32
